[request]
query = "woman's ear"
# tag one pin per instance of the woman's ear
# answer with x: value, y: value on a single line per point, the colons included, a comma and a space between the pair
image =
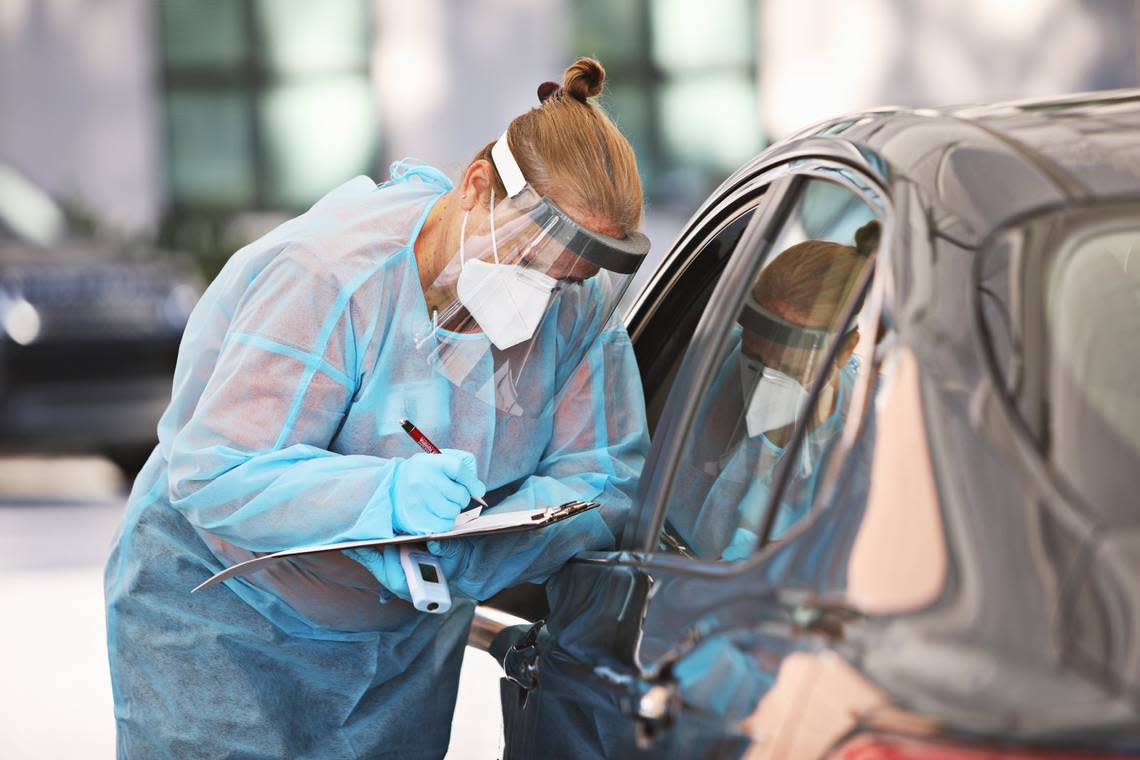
x: 475, y: 189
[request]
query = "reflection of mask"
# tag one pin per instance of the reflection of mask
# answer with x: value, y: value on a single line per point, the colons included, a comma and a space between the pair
x: 775, y: 402
x: 507, y: 300
x: 750, y: 372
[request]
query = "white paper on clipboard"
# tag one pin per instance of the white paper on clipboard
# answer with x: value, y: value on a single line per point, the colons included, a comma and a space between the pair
x: 483, y: 524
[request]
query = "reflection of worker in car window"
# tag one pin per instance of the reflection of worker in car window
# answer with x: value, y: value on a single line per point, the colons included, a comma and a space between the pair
x: 787, y: 327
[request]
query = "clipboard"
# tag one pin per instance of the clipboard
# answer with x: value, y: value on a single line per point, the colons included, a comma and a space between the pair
x: 483, y: 525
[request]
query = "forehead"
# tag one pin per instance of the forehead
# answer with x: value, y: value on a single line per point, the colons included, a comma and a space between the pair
x: 593, y: 221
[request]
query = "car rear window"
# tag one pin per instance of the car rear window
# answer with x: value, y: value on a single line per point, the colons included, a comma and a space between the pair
x: 1091, y: 306
x: 1092, y: 313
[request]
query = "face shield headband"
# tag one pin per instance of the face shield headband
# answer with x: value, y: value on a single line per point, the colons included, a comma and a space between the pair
x: 756, y: 319
x: 620, y: 255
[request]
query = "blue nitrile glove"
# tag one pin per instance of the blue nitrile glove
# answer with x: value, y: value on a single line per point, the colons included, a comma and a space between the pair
x: 453, y: 554
x: 428, y: 490
x: 743, y: 542
x: 384, y: 564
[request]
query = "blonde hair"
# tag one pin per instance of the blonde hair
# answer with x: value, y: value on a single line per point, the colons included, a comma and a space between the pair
x: 569, y: 149
x: 809, y: 282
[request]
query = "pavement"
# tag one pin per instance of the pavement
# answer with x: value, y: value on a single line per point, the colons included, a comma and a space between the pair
x: 57, y: 519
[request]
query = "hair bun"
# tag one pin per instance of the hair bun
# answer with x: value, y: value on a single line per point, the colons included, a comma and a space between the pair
x: 867, y: 238
x: 547, y: 90
x: 583, y: 79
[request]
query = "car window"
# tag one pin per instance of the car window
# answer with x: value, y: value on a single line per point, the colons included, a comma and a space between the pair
x: 662, y: 344
x: 1092, y: 310
x: 778, y: 346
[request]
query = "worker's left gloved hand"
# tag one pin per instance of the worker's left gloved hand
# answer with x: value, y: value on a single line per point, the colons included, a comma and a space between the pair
x: 384, y: 564
x: 453, y: 554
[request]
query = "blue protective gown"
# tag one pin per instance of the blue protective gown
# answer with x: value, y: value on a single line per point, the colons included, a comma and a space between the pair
x: 283, y: 430
x: 728, y: 475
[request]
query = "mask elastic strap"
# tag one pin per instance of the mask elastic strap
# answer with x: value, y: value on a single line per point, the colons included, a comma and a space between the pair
x: 420, y: 341
x: 494, y: 242
x: 462, y: 237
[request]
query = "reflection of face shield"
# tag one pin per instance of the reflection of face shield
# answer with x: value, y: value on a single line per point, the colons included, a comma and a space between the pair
x: 792, y: 348
x: 533, y: 267
x: 767, y: 324
x: 786, y: 356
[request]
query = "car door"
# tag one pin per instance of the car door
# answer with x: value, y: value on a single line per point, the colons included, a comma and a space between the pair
x: 666, y: 645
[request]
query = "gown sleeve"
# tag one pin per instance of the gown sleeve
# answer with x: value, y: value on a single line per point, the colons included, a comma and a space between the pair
x: 596, y: 452
x: 251, y: 462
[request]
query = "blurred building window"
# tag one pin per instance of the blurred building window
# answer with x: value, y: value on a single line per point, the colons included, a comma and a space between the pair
x: 681, y: 83
x: 267, y: 102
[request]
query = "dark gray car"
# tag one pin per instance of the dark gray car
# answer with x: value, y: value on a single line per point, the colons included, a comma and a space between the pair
x: 89, y: 332
x: 952, y: 569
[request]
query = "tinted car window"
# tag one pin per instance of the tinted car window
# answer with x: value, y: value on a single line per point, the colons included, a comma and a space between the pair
x: 1073, y: 317
x: 778, y: 347
x: 662, y: 344
x: 1092, y: 309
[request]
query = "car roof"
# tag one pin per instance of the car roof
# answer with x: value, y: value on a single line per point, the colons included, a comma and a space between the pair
x: 976, y: 167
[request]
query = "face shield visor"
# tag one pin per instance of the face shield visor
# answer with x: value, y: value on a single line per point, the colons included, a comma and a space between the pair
x: 522, y: 301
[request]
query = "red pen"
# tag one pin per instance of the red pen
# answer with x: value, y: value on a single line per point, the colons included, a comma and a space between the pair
x: 425, y: 443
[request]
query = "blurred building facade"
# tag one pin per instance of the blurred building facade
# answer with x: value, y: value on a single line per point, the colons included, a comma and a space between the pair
x: 178, y: 114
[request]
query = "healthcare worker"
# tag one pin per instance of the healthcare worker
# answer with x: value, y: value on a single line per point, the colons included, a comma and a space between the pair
x: 786, y: 327
x: 480, y: 312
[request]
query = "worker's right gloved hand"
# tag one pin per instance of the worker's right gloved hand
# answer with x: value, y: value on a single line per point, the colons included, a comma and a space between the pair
x: 428, y: 490
x: 743, y: 542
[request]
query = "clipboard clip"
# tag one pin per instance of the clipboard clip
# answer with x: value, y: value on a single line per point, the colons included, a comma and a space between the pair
x: 569, y: 509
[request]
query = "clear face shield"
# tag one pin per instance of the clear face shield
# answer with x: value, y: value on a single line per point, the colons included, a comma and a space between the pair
x: 521, y: 303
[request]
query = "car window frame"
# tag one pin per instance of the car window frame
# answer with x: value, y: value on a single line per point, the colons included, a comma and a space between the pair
x: 645, y: 524
x: 705, y: 227
x: 706, y: 224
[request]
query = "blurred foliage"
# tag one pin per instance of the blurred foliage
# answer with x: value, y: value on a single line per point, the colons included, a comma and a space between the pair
x: 85, y: 223
x: 204, y: 233
x: 82, y: 220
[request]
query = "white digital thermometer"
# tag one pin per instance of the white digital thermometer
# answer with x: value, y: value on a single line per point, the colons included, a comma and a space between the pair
x: 426, y: 581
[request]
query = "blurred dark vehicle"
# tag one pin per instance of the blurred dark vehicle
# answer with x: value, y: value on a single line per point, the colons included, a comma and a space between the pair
x: 89, y: 332
x: 966, y: 582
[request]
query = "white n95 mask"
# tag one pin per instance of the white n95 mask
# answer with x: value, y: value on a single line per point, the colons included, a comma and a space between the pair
x: 750, y: 372
x: 775, y: 402
x: 508, y: 301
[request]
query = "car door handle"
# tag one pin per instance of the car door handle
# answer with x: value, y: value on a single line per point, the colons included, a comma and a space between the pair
x: 828, y: 619
x: 518, y: 654
x: 655, y: 712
